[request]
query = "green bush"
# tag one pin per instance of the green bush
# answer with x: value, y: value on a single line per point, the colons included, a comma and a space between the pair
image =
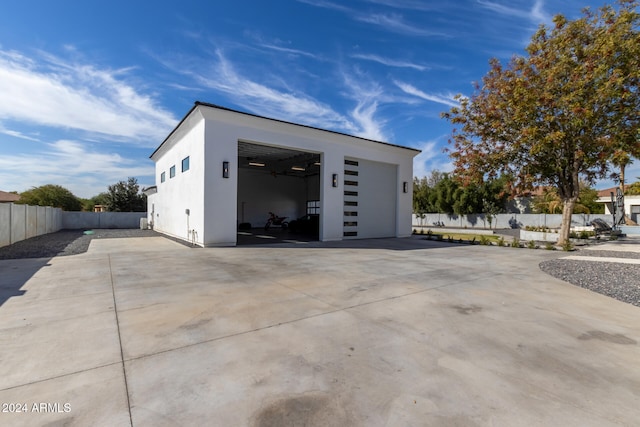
x: 584, y: 234
x: 531, y: 244
x: 515, y: 243
x: 567, y: 246
x: 484, y: 240
x: 501, y: 241
x: 549, y: 246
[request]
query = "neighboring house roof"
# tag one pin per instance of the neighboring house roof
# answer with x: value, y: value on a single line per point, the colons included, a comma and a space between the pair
x: 205, y: 104
x: 8, y: 197
x: 607, y: 191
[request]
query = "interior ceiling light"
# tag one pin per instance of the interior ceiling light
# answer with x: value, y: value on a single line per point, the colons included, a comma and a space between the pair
x: 256, y: 164
x: 297, y: 168
x: 317, y: 163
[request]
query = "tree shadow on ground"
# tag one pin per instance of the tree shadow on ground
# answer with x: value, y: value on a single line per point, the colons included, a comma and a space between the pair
x: 21, y: 260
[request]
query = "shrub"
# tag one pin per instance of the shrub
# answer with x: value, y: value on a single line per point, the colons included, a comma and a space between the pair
x: 531, y: 244
x: 515, y: 243
x: 573, y: 235
x: 584, y: 234
x: 567, y: 246
x: 501, y: 241
x: 484, y: 240
x: 549, y: 246
x: 415, y: 231
x: 422, y: 231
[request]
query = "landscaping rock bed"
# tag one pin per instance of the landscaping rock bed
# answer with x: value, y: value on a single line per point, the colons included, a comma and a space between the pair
x: 615, y: 280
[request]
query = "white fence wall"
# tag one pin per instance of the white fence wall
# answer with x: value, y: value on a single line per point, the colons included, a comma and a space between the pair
x: 20, y: 222
x: 510, y: 220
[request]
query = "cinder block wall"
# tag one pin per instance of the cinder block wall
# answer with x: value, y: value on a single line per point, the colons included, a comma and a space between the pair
x: 20, y: 222
x: 89, y: 220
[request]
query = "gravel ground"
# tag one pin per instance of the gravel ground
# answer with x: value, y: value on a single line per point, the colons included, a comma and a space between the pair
x: 615, y: 280
x: 65, y: 242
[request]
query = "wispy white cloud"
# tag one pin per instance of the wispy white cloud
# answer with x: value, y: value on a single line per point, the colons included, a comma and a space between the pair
x: 390, y: 62
x: 367, y: 95
x: 325, y: 4
x: 392, y: 22
x: 408, y: 4
x: 71, y: 164
x: 16, y: 134
x: 290, y: 51
x: 431, y: 158
x: 265, y: 100
x: 395, y: 23
x: 49, y: 91
x: 440, y: 99
x: 536, y: 14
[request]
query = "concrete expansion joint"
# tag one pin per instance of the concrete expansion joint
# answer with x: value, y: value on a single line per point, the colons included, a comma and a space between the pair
x: 55, y: 377
x: 124, y: 368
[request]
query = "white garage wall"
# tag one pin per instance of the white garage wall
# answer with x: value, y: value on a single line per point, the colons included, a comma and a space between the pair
x: 260, y: 193
x: 213, y: 200
x: 377, y: 192
x: 186, y: 189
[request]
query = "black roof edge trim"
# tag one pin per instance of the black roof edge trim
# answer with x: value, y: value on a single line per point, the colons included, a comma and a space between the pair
x: 175, y: 129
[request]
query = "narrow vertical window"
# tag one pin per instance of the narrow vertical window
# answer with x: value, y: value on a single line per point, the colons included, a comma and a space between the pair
x: 162, y: 177
x: 172, y: 171
x: 185, y: 164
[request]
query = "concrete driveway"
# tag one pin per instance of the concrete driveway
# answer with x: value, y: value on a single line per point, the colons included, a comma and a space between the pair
x: 147, y: 332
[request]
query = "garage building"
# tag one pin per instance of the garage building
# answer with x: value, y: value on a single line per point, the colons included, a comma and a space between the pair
x: 220, y: 170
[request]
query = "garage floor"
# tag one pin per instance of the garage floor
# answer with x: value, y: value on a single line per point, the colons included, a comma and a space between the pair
x: 260, y: 236
x: 393, y: 332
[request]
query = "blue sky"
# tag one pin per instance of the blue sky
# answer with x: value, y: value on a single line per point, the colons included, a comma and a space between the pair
x: 89, y: 89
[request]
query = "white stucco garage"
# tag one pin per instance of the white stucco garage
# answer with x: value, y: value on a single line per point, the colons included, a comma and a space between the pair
x: 220, y: 168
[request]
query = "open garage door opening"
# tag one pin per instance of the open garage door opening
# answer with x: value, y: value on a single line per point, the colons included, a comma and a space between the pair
x: 278, y: 194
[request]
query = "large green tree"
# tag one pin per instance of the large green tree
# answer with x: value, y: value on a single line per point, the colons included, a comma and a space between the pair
x: 559, y: 114
x: 125, y: 196
x: 51, y: 195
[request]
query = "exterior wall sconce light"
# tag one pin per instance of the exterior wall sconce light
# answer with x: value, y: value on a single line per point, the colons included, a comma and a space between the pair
x: 334, y: 180
x: 225, y: 169
x: 405, y: 186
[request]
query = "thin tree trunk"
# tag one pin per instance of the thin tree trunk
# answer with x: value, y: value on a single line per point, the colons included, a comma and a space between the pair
x: 567, y: 212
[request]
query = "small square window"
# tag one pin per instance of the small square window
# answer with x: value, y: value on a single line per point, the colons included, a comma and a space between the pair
x: 172, y: 171
x: 162, y: 177
x: 185, y: 164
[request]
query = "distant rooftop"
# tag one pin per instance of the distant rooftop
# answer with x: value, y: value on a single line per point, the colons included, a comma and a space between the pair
x: 8, y: 197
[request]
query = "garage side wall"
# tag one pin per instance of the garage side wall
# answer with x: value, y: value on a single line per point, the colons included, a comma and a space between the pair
x: 220, y: 192
x: 178, y: 208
